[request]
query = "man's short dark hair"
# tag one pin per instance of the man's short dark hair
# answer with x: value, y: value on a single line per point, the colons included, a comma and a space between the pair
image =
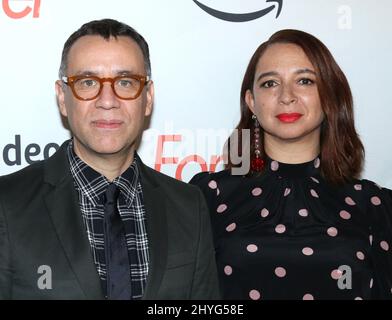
x: 105, y: 28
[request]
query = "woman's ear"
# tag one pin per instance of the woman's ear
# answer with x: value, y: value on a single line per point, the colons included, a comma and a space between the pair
x: 250, y: 101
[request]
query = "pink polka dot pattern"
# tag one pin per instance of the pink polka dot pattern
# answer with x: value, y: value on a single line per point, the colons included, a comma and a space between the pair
x: 217, y: 192
x: 231, y: 227
x: 280, y: 272
x: 264, y: 212
x: 360, y: 255
x: 345, y: 215
x: 308, y: 296
x: 384, y: 245
x: 252, y: 248
x: 315, y: 180
x: 336, y: 274
x: 307, y: 251
x: 212, y: 184
x: 254, y: 294
x: 332, y: 231
x: 317, y: 162
x: 274, y: 166
x: 257, y: 191
x: 314, y: 193
x: 326, y: 226
x: 221, y: 208
x: 280, y: 228
x: 228, y: 270
x: 349, y: 201
x: 303, y: 212
x: 375, y: 201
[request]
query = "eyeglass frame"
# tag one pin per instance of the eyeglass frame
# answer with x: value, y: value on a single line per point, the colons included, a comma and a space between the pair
x: 70, y: 81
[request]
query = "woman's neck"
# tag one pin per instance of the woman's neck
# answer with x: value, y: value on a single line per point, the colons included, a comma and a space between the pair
x: 292, y: 151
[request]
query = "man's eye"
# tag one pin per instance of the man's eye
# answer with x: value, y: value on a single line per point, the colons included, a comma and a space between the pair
x: 306, y: 81
x: 126, y: 83
x: 269, y: 84
x: 87, y: 83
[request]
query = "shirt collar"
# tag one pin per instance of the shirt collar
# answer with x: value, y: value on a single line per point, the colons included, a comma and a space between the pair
x: 93, y: 184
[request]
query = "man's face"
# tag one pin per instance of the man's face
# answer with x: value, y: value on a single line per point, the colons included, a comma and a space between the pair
x: 106, y: 125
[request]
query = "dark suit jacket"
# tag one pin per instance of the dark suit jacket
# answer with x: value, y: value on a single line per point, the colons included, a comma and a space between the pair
x: 41, y: 224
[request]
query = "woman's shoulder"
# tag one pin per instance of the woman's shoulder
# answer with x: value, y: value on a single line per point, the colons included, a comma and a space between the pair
x: 376, y: 203
x: 373, y: 192
x: 212, y: 178
x: 365, y: 192
x: 217, y: 184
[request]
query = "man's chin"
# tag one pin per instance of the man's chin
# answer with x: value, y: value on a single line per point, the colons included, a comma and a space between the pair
x: 111, y: 150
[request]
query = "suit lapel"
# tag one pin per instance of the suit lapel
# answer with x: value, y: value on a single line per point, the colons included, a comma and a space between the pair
x: 64, y: 210
x: 154, y: 202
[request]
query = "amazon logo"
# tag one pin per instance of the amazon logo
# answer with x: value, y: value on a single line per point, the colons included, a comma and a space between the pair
x: 242, y: 17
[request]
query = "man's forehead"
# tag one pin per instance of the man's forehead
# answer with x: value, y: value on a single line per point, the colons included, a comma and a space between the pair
x: 96, y: 41
x: 100, y: 71
x: 97, y: 55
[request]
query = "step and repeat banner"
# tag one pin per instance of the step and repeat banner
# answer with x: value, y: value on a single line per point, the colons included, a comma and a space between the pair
x: 199, y: 52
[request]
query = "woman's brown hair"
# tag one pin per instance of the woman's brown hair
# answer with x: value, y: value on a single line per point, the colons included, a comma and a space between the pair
x: 342, y: 152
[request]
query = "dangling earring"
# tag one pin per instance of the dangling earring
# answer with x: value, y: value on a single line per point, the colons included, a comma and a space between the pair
x: 257, y: 163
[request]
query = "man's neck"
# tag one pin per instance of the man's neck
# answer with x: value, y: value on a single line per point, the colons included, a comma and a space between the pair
x: 109, y: 165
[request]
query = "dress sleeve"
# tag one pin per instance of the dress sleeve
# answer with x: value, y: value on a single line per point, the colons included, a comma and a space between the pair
x: 379, y: 209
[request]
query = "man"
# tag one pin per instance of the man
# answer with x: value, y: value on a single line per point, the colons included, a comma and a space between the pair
x: 92, y: 221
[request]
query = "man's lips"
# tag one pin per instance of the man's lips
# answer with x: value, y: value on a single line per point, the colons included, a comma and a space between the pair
x: 107, y: 124
x: 289, y: 117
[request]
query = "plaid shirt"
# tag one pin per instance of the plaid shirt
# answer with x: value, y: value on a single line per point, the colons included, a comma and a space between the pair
x: 91, y: 187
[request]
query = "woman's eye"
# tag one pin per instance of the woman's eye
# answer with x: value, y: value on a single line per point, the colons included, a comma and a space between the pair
x: 268, y: 84
x: 306, y: 81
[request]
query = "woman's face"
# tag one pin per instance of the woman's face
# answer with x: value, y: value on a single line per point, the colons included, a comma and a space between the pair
x: 285, y: 97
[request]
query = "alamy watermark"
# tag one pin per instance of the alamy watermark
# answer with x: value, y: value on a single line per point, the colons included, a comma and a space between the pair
x: 44, y: 281
x: 345, y: 17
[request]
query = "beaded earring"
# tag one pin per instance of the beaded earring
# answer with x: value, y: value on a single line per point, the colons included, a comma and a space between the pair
x: 257, y: 163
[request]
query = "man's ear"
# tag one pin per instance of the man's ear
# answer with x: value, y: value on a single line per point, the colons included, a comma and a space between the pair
x: 250, y: 101
x: 150, y: 98
x: 60, y: 97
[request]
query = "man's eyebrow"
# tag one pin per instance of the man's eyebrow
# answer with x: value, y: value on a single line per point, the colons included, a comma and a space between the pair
x: 86, y: 73
x: 274, y: 73
x: 125, y: 72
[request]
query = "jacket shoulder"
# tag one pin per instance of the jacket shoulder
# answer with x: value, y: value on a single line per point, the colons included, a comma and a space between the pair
x: 23, y: 178
x: 170, y: 184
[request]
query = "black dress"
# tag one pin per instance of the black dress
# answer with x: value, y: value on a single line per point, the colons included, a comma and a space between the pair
x: 288, y: 234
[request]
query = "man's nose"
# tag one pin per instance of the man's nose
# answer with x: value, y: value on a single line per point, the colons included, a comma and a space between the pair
x: 107, y: 99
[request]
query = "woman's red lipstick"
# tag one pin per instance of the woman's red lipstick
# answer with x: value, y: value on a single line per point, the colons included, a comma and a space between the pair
x: 289, y: 117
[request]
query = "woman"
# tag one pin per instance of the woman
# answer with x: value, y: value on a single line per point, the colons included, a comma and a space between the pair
x: 299, y: 224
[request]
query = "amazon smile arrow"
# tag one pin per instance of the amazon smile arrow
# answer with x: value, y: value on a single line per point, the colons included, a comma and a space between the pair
x: 241, y: 17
